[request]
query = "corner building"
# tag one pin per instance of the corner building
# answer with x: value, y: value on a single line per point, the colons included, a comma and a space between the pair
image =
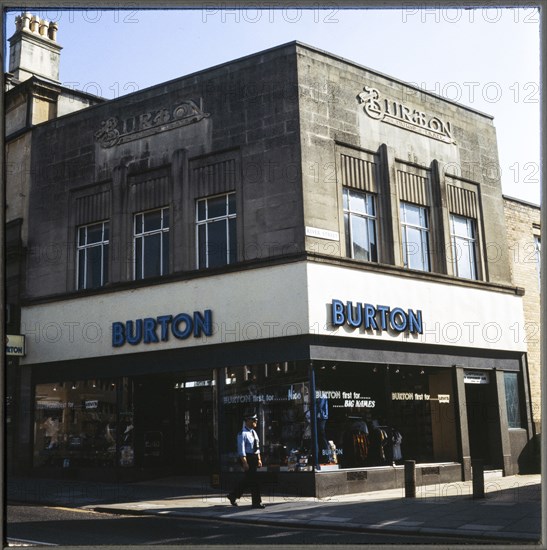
x: 288, y: 233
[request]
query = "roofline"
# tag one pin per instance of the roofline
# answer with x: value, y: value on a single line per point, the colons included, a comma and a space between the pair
x: 294, y: 43
x: 527, y: 203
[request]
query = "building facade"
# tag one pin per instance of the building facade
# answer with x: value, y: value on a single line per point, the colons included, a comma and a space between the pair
x: 288, y: 233
x: 524, y: 242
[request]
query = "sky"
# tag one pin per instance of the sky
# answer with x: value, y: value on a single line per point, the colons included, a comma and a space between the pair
x: 487, y: 59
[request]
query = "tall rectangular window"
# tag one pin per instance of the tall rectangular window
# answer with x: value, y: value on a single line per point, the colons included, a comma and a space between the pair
x: 464, y: 246
x: 216, y: 241
x: 151, y: 243
x: 360, y: 225
x: 512, y: 400
x: 415, y: 236
x: 537, y: 243
x: 92, y: 255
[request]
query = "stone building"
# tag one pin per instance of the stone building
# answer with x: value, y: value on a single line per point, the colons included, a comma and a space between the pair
x: 290, y: 234
x: 524, y: 245
x: 33, y: 95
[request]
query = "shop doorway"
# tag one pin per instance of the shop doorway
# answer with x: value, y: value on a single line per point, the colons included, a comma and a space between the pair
x: 483, y: 423
x: 195, y: 443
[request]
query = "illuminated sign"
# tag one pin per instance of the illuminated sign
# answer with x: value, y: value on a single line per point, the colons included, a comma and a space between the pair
x: 15, y: 345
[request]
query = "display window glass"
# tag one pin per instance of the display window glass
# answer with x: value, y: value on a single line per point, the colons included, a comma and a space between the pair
x: 279, y: 393
x: 379, y: 415
x: 83, y: 423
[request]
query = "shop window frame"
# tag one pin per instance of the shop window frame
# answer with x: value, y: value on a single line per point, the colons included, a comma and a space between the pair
x: 142, y: 235
x: 83, y: 251
x: 470, y: 243
x: 202, y: 220
x: 425, y: 235
x: 371, y: 218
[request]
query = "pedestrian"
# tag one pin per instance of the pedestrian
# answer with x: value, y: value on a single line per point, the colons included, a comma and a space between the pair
x: 248, y: 450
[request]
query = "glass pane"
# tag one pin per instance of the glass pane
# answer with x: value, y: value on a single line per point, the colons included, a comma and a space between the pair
x: 233, y: 240
x: 425, y: 250
x: 81, y: 236
x: 201, y: 210
x: 349, y: 252
x: 138, y: 224
x: 216, y: 207
x: 202, y: 246
x: 370, y: 205
x: 152, y: 264
x: 372, y: 240
x: 138, y: 258
x: 105, y: 264
x: 232, y: 203
x: 166, y: 218
x: 414, y: 249
x: 359, y: 233
x: 460, y: 226
x: 512, y: 399
x: 357, y: 202
x: 81, y: 269
x: 165, y: 252
x: 345, y: 199
x: 95, y: 233
x: 411, y: 214
x: 106, y: 231
x: 216, y: 245
x: 152, y: 220
x: 94, y: 267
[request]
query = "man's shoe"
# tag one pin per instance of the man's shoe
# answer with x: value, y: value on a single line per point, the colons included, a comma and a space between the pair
x: 261, y: 506
x: 232, y: 500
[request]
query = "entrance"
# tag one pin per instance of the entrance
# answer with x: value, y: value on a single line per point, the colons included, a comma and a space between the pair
x: 483, y: 423
x: 195, y: 442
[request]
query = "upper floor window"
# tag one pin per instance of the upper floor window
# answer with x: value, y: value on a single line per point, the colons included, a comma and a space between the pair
x: 360, y: 225
x: 151, y: 242
x: 415, y: 236
x: 537, y: 243
x: 216, y: 230
x: 92, y: 252
x: 464, y: 246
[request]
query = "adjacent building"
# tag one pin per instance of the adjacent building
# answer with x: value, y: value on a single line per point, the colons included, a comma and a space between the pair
x: 291, y: 234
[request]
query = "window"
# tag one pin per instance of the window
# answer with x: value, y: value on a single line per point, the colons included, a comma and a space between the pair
x: 151, y: 241
x: 415, y: 236
x: 464, y: 246
x: 92, y: 251
x: 512, y: 400
x: 537, y: 242
x: 360, y: 225
x: 216, y: 231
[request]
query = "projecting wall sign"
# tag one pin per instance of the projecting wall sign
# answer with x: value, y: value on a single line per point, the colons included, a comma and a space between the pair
x: 393, y: 112
x: 114, y: 131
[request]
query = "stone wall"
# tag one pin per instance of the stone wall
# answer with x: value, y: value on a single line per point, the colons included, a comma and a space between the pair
x: 523, y: 225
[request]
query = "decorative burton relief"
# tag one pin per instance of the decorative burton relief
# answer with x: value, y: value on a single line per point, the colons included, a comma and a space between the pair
x: 114, y: 131
x: 397, y: 114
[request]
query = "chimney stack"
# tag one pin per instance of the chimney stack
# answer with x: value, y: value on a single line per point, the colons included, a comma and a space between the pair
x: 34, y: 49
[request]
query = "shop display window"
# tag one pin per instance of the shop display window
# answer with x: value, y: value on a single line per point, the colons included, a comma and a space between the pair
x: 378, y: 415
x: 83, y: 423
x: 279, y: 393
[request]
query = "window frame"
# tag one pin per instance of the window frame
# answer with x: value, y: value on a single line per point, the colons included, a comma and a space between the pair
x: 369, y: 218
x: 425, y: 232
x: 206, y: 221
x: 471, y: 223
x: 142, y: 235
x: 103, y: 243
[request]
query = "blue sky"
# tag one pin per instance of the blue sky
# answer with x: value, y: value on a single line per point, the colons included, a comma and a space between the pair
x: 485, y: 58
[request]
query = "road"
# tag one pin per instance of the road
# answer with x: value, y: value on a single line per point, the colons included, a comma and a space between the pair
x: 41, y: 525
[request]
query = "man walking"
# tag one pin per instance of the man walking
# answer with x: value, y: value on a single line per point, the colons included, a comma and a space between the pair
x: 248, y: 448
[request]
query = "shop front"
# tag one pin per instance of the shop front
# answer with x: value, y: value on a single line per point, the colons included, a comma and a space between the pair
x: 345, y: 389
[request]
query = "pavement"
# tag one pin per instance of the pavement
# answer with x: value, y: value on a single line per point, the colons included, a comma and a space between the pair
x: 509, y: 512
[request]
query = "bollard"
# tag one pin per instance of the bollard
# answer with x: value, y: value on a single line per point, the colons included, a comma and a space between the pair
x: 477, y: 467
x: 410, y: 478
